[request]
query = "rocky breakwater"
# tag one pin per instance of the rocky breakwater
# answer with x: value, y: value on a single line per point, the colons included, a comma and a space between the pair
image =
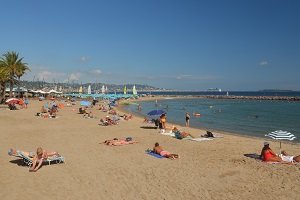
x: 273, y: 98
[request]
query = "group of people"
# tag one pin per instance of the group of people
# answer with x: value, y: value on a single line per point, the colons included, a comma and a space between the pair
x: 48, y: 110
x: 156, y: 149
x: 268, y: 155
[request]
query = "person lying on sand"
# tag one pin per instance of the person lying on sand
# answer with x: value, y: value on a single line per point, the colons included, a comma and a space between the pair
x: 180, y: 134
x: 285, y: 157
x: 119, y: 142
x: 208, y: 134
x: 159, y: 150
x: 38, y: 158
x: 268, y: 155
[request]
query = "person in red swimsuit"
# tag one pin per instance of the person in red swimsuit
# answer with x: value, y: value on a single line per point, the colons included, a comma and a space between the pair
x: 268, y: 155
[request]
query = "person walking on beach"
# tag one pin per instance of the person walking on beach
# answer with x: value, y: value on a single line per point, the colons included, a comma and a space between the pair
x: 187, y: 119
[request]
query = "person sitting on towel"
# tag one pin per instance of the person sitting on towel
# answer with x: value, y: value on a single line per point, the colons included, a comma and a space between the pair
x: 159, y: 150
x: 180, y: 134
x: 268, y: 155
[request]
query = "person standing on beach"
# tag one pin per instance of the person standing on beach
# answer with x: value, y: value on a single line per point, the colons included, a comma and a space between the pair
x: 26, y: 101
x: 187, y: 119
x: 163, y: 121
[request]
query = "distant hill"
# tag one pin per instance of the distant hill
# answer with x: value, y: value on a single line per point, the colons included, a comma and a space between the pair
x: 275, y: 90
x: 96, y: 87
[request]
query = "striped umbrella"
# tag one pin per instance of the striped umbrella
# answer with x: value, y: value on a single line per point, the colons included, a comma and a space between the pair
x: 281, y: 135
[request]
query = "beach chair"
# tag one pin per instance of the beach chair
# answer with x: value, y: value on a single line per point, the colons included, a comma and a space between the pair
x: 28, y: 159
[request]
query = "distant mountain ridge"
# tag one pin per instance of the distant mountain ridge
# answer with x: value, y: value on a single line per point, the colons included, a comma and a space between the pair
x: 96, y: 87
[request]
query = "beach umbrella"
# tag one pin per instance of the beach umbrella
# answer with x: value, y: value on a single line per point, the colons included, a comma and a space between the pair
x: 12, y: 100
x: 155, y: 112
x: 281, y: 135
x: 85, y: 103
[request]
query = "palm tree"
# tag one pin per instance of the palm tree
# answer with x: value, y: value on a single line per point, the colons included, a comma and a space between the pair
x: 4, y: 77
x: 15, y: 67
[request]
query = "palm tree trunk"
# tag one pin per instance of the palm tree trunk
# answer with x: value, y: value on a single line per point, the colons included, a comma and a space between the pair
x: 2, y: 91
x: 11, y: 86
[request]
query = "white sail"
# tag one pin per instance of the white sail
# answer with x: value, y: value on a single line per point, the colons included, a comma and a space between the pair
x: 89, y: 90
x: 55, y: 87
x: 134, y: 92
x: 106, y: 90
x: 125, y: 90
x: 60, y: 88
x: 103, y: 89
x: 80, y: 90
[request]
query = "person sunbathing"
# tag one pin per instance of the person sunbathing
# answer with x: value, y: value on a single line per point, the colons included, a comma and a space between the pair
x: 159, y: 150
x: 37, y: 158
x: 180, y: 134
x: 268, y: 155
x: 40, y: 156
x: 285, y: 157
x: 119, y: 142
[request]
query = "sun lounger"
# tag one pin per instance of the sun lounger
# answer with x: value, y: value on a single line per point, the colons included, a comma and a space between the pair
x: 28, y: 159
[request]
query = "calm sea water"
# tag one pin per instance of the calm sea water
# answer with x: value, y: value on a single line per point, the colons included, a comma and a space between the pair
x: 249, y: 117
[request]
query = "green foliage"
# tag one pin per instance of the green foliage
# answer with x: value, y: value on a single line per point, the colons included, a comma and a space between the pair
x: 12, y: 68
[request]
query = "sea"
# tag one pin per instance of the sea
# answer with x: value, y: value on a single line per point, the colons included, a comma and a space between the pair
x: 240, y: 116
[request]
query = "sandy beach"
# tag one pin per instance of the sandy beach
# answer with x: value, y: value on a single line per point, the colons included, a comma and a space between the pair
x: 215, y: 169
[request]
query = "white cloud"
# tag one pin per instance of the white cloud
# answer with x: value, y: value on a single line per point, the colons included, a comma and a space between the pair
x: 84, y: 58
x: 183, y: 76
x: 95, y: 72
x: 49, y: 76
x: 195, y: 77
x: 263, y: 63
x: 75, y: 76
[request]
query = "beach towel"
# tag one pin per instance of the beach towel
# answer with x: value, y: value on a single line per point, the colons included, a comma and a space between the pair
x: 151, y: 153
x: 198, y: 139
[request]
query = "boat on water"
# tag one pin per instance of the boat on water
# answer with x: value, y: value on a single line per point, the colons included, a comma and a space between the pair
x: 214, y: 90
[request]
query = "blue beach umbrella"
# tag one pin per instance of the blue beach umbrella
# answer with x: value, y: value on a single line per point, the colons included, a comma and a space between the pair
x: 85, y: 103
x: 156, y: 113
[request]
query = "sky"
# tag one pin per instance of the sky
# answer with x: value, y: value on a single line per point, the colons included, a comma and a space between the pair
x: 235, y: 45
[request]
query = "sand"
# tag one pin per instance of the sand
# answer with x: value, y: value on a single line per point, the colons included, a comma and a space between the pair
x: 214, y: 169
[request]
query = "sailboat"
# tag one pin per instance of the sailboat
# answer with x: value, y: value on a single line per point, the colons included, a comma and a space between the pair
x: 89, y: 90
x: 103, y: 89
x: 106, y: 90
x: 125, y: 90
x: 80, y: 90
x: 134, y: 92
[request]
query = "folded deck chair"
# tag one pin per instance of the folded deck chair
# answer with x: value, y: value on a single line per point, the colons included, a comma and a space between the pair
x: 28, y: 159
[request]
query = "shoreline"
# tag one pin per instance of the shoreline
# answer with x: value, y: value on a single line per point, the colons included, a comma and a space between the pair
x: 121, y: 108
